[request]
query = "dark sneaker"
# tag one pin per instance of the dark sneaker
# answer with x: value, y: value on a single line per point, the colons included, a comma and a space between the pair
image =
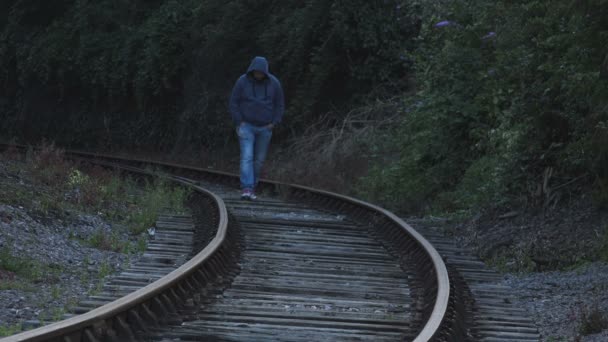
x: 252, y: 196
x: 246, y: 194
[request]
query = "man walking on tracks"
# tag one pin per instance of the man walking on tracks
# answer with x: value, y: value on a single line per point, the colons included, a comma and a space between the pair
x: 256, y: 106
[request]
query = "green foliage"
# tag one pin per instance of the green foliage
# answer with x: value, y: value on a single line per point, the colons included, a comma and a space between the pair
x: 104, y: 241
x: 17, y: 285
x: 56, y: 292
x: 105, y: 269
x: 140, y: 247
x: 27, y: 268
x: 58, y: 314
x: 114, y: 242
x: 507, y: 90
x: 156, y: 197
x: 88, y: 189
x: 52, y: 315
x: 153, y: 72
x: 8, y: 330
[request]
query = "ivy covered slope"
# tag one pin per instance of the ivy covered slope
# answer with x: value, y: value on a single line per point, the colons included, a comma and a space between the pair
x: 159, y: 72
x: 512, y: 107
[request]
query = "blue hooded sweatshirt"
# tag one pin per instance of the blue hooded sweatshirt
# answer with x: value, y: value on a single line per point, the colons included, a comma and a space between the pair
x: 257, y: 102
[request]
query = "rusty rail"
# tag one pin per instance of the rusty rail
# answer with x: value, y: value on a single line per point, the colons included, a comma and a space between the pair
x: 392, y: 227
x: 151, y: 303
x: 438, y: 312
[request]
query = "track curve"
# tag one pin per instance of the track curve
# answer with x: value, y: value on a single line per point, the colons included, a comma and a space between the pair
x: 305, y: 275
x: 365, y: 244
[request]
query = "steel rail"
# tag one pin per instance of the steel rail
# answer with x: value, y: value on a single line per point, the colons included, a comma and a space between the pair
x: 79, y: 324
x: 436, y: 321
x: 438, y: 314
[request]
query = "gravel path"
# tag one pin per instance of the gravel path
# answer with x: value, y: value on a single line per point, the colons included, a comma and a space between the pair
x: 557, y: 299
x: 533, y: 249
x: 49, y: 258
x: 63, y: 268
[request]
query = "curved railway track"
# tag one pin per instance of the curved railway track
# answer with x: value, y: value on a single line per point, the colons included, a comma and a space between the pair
x: 299, y: 265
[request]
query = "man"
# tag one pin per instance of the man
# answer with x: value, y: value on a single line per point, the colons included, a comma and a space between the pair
x: 256, y: 106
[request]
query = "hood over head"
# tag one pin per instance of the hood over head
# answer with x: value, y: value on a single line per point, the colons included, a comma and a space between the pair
x: 259, y: 64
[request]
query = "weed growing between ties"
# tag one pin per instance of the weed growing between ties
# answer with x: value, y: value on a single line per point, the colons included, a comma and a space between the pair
x: 105, y: 269
x: 156, y: 196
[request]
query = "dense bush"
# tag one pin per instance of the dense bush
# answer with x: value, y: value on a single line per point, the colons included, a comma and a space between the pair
x: 159, y: 72
x: 512, y: 103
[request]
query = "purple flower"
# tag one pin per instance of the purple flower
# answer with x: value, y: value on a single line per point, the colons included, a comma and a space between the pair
x: 443, y: 23
x: 489, y: 35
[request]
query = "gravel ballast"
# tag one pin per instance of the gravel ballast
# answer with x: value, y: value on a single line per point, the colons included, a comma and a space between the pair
x: 49, y: 259
x: 558, y: 300
x: 70, y: 269
x: 552, y: 259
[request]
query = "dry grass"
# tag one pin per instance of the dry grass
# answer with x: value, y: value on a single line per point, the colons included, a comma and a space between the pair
x: 49, y: 165
x: 592, y: 321
x: 332, y: 154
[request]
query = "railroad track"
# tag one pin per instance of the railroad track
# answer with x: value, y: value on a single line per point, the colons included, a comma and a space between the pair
x: 300, y: 264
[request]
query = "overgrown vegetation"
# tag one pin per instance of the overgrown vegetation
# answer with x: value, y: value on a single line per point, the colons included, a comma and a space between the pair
x: 46, y: 187
x: 332, y: 155
x: 8, y: 330
x: 509, y: 107
x: 27, y: 269
x: 512, y: 108
x: 158, y: 73
x: 156, y: 196
x: 60, y: 186
x: 105, y: 269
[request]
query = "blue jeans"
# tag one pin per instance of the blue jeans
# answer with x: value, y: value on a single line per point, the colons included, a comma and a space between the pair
x: 254, y: 141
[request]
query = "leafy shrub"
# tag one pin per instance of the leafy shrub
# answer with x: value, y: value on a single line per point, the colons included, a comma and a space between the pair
x: 24, y: 267
x: 507, y: 90
x: 158, y: 72
x: 155, y: 197
x: 8, y: 330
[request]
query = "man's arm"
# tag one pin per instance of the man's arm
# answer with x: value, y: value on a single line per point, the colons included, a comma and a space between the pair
x: 235, y: 103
